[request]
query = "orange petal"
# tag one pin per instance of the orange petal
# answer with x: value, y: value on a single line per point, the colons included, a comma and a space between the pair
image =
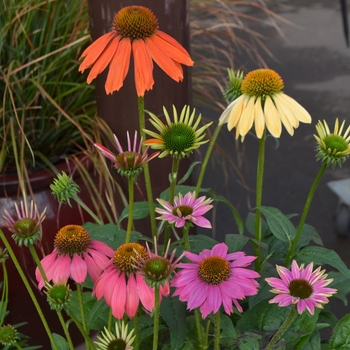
x: 103, y: 60
x: 164, y: 61
x: 172, y: 50
x: 172, y: 41
x: 93, y: 51
x: 152, y: 141
x: 143, y: 67
x: 119, y: 66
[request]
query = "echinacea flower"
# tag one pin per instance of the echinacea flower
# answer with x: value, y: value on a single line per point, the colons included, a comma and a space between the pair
x: 333, y: 148
x: 185, y: 209
x: 26, y: 228
x: 158, y: 270
x: 134, y: 30
x: 263, y: 103
x: 178, y: 138
x: 64, y: 188
x: 8, y: 335
x: 214, y: 278
x: 58, y: 295
x: 75, y: 255
x: 301, y: 286
x: 120, y: 340
x: 129, y: 163
x: 122, y: 285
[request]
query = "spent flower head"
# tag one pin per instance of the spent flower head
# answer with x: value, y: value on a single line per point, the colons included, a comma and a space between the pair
x: 128, y: 163
x: 233, y: 90
x: 263, y: 103
x: 75, y: 255
x: 333, y: 148
x: 179, y: 137
x: 185, y: 209
x: 58, y: 295
x: 122, y: 285
x: 134, y: 30
x: 26, y: 227
x: 121, y: 339
x: 64, y: 188
x: 214, y: 278
x: 301, y: 286
x: 8, y: 335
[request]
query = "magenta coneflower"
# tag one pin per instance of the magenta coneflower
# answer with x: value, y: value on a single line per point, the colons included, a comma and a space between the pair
x: 301, y: 286
x: 185, y: 209
x: 130, y: 162
x: 214, y: 278
x: 121, y: 284
x: 74, y: 255
x: 26, y: 228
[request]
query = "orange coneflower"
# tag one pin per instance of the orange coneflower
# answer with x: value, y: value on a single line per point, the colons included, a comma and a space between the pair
x: 134, y: 29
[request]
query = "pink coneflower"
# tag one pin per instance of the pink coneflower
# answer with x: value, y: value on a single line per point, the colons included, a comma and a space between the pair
x: 74, y: 255
x: 185, y: 209
x: 301, y: 286
x: 129, y: 163
x: 214, y: 278
x: 122, y: 286
x: 26, y: 228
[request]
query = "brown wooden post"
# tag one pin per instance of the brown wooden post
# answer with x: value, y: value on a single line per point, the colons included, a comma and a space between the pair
x: 119, y: 110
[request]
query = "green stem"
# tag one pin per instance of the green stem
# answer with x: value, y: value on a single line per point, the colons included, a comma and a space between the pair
x: 136, y: 344
x: 131, y: 208
x: 59, y: 314
x: 185, y: 231
x: 29, y: 289
x: 173, y: 181
x: 206, y: 158
x: 88, y: 341
x: 304, y: 214
x: 199, y: 328
x: 81, y: 307
x: 19, y: 347
x: 217, y: 331
x: 141, y: 109
x: 259, y: 187
x: 88, y: 210
x: 286, y: 324
x: 5, y: 293
x: 156, y: 317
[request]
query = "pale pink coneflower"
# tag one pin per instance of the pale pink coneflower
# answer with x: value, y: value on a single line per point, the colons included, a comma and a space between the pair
x: 75, y: 255
x: 214, y: 278
x: 185, y: 209
x: 301, y: 286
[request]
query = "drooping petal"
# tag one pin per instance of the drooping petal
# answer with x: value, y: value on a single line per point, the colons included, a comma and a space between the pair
x: 132, y: 297
x: 78, y: 269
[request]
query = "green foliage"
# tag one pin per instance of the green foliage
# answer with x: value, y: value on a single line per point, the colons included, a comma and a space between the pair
x: 341, y: 335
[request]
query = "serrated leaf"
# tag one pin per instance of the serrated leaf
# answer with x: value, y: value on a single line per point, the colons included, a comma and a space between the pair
x: 140, y: 211
x: 322, y: 256
x: 341, y: 335
x: 279, y: 224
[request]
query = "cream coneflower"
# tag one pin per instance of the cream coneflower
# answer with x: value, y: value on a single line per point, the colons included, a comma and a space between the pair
x: 333, y: 148
x: 134, y: 30
x: 179, y: 137
x: 263, y: 103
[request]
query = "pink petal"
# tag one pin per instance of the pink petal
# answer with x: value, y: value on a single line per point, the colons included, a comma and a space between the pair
x: 132, y: 297
x: 146, y: 293
x: 78, y: 269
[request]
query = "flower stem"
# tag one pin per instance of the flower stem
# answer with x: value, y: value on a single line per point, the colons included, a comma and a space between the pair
x: 206, y: 158
x: 199, y: 328
x: 136, y: 343
x: 304, y: 214
x: 173, y: 181
x: 217, y: 331
x: 81, y: 307
x: 4, y: 294
x: 131, y: 208
x: 259, y: 187
x: 88, y: 341
x: 65, y: 329
x: 185, y: 230
x: 29, y: 289
x: 88, y: 210
x: 156, y: 317
x: 286, y: 324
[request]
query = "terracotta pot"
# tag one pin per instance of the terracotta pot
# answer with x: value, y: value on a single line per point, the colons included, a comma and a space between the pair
x: 20, y: 305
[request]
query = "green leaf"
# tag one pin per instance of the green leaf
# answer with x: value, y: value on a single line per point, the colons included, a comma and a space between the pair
x: 173, y: 312
x: 322, y: 256
x: 235, y: 242
x: 228, y: 334
x: 238, y: 218
x: 61, y: 342
x: 341, y: 335
x: 141, y: 211
x: 248, y: 341
x: 278, y: 223
x: 200, y: 242
x: 188, y: 173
